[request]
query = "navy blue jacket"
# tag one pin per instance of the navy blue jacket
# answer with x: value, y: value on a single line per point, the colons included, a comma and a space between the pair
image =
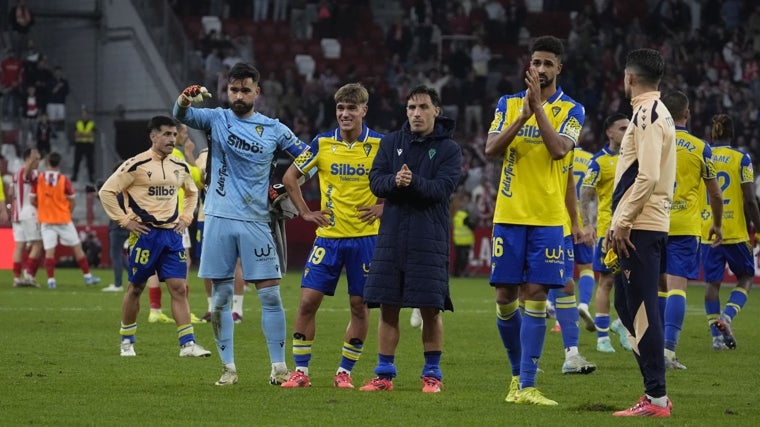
x: 410, y: 262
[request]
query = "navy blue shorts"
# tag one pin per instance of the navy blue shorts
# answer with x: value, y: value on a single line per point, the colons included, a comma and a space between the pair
x: 584, y: 254
x: 528, y: 254
x: 737, y: 255
x: 329, y: 256
x: 569, y: 257
x: 599, y: 254
x: 683, y: 257
x: 159, y: 251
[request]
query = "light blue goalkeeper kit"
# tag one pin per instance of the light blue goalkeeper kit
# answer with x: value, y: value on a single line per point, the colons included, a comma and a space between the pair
x: 237, y: 216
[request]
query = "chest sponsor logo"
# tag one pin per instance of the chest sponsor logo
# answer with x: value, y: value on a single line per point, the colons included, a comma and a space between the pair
x: 160, y: 190
x: 241, y: 144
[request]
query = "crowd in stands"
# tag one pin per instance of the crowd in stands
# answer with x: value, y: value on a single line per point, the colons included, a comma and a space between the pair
x: 472, y: 51
x: 33, y: 92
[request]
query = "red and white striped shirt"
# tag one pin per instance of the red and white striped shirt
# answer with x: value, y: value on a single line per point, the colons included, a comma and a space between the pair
x: 21, y: 208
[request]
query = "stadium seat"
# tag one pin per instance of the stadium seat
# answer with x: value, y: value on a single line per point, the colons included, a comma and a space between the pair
x: 10, y: 136
x: 330, y: 48
x: 297, y: 47
x: 211, y: 23
x: 305, y: 65
x: 193, y: 27
x: 278, y: 48
x: 232, y: 28
x: 249, y: 27
x: 314, y: 50
x: 349, y: 49
x: 266, y: 30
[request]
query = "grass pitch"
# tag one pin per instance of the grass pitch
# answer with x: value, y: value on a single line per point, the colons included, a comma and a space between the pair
x: 60, y: 365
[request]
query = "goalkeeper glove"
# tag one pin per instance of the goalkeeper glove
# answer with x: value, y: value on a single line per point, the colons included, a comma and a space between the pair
x: 193, y: 93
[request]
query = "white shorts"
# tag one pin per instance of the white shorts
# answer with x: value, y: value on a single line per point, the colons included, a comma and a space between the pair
x: 56, y: 112
x: 52, y: 232
x: 26, y: 230
x: 186, y: 239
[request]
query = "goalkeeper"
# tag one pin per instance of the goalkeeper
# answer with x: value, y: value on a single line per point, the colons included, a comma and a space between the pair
x: 242, y: 145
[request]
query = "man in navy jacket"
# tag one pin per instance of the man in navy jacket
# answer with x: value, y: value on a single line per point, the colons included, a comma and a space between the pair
x: 416, y: 170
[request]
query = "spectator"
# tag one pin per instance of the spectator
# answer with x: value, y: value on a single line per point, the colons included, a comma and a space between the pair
x: 452, y: 97
x: 459, y: 22
x: 212, y: 66
x: 221, y: 86
x: 298, y: 22
x: 435, y: 79
x: 497, y: 18
x: 328, y: 81
x: 484, y: 197
x: 459, y: 61
x: 325, y: 19
x: 474, y: 88
x: 280, y: 10
x: 43, y: 135
x: 463, y: 237
x: 273, y: 90
x: 260, y: 10
x: 59, y: 90
x: 399, y: 39
x: 92, y: 247
x: 21, y: 20
x: 730, y: 13
x: 428, y: 34
x: 480, y: 56
x: 84, y: 145
x: 31, y: 111
x: 11, y: 77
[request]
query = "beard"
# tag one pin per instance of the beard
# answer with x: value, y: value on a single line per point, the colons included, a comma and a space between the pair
x: 546, y: 83
x: 240, y: 108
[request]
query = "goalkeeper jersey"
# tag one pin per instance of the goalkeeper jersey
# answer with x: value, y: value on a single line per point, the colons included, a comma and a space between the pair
x: 242, y: 150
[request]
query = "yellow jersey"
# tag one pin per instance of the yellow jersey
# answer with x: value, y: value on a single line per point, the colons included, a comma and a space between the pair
x: 343, y: 171
x: 601, y: 176
x: 532, y: 184
x: 693, y: 165
x: 733, y: 167
x: 567, y: 168
x: 581, y: 160
x: 194, y: 173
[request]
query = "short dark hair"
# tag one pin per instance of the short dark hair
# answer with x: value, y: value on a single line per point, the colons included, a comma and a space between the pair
x: 611, y: 119
x: 156, y: 122
x: 425, y: 90
x: 548, y: 44
x: 677, y: 103
x: 54, y: 159
x: 722, y: 128
x: 647, y: 64
x: 242, y: 71
x: 27, y: 153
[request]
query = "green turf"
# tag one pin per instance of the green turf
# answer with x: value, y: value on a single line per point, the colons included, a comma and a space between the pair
x: 60, y: 365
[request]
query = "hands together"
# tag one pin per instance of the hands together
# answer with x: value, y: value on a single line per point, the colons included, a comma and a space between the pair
x: 404, y: 176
